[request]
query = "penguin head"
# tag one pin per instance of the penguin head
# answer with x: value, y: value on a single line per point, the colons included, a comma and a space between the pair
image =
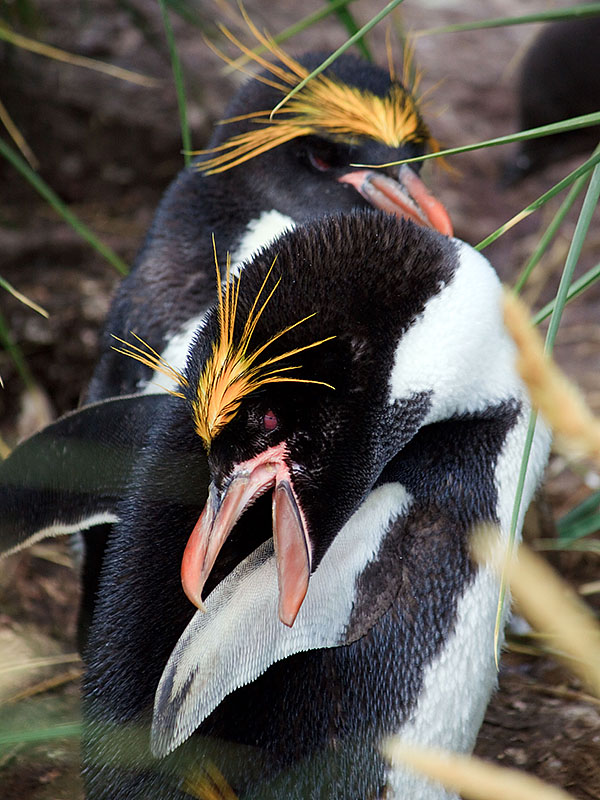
x: 295, y: 389
x: 300, y: 161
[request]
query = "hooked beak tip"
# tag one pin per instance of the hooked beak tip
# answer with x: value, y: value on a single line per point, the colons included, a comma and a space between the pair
x: 406, y: 197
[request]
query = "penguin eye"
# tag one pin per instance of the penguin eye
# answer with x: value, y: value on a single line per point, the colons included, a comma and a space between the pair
x: 318, y: 163
x: 322, y: 155
x: 270, y: 421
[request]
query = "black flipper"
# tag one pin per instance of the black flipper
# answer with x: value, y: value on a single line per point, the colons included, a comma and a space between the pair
x: 71, y: 475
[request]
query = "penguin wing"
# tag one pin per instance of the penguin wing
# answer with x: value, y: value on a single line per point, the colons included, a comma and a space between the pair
x: 71, y: 475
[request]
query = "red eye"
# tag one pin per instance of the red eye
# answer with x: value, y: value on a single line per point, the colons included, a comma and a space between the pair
x: 318, y: 163
x: 270, y: 421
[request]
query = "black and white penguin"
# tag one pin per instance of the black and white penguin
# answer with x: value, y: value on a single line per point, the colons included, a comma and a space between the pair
x: 559, y: 79
x: 349, y: 416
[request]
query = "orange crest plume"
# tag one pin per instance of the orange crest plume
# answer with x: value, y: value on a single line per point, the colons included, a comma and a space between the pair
x: 325, y: 106
x: 146, y: 355
x: 233, y: 370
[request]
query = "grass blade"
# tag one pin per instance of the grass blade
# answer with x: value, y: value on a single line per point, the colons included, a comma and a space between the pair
x: 16, y: 356
x: 4, y: 284
x: 577, y: 531
x: 585, y: 217
x: 571, y: 124
x: 17, y: 137
x: 292, y: 30
x: 57, y: 204
x: 471, y: 777
x: 579, y: 522
x: 348, y: 21
x: 550, y: 231
x: 514, y: 521
x: 557, y: 14
x: 352, y: 40
x: 589, y: 505
x: 575, y: 289
x: 179, y: 87
x: 185, y: 10
x: 34, y: 735
x: 583, y: 222
x: 583, y: 169
x: 78, y: 61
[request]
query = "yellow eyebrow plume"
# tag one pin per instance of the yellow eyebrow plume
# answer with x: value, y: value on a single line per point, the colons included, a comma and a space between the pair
x: 325, y: 106
x: 233, y: 370
x: 148, y: 356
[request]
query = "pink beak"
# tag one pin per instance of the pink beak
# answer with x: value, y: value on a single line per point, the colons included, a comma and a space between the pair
x: 249, y: 481
x: 407, y: 197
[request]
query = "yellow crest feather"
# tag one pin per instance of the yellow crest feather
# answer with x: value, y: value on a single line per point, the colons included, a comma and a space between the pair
x: 233, y: 370
x: 146, y: 355
x: 324, y: 106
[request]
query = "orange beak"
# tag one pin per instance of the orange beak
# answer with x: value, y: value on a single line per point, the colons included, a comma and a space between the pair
x: 247, y: 482
x: 407, y: 197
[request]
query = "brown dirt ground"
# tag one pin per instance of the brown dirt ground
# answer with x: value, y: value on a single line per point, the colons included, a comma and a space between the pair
x: 109, y: 149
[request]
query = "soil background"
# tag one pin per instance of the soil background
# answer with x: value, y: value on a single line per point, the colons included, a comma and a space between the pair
x: 109, y: 149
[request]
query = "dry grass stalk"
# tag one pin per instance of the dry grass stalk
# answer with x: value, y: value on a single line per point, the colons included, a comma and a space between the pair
x: 576, y: 429
x: 45, y: 686
x: 471, y: 777
x: 550, y: 605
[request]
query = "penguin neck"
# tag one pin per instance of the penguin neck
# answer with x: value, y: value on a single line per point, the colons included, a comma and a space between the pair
x: 260, y: 232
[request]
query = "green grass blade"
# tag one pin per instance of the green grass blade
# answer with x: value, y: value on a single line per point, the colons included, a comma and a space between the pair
x: 15, y: 354
x: 352, y: 40
x: 583, y: 222
x: 580, y: 11
x: 571, y: 124
x: 588, y: 506
x: 580, y: 529
x: 513, y: 532
x: 585, y: 546
x: 34, y: 735
x: 293, y: 30
x: 575, y: 289
x: 550, y: 232
x: 585, y: 217
x: 186, y: 138
x: 348, y: 21
x: 583, y: 169
x: 185, y: 10
x: 579, y: 521
x: 57, y: 204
